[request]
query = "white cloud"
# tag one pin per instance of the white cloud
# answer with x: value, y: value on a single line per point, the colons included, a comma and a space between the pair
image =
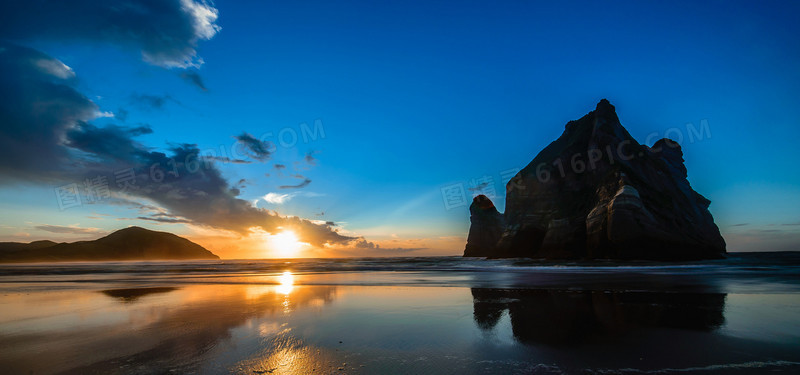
x: 203, y: 16
x: 276, y: 198
x: 55, y: 68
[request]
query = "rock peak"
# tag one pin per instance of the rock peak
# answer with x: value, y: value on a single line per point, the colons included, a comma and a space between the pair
x: 605, y: 109
x: 483, y: 202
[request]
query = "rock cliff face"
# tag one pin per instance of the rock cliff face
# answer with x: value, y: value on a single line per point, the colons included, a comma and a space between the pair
x: 597, y: 193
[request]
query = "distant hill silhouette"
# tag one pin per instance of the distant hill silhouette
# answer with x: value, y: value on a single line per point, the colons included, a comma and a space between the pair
x: 133, y: 243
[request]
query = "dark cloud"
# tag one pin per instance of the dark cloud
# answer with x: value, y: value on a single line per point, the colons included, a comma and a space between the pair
x: 256, y: 149
x: 225, y: 159
x: 147, y: 102
x: 121, y: 114
x: 361, y: 243
x: 48, y: 138
x: 195, y: 79
x: 38, y: 106
x: 165, y: 31
x: 310, y: 159
x: 143, y: 208
x: 111, y: 141
x: 67, y: 230
x: 298, y: 186
x: 167, y: 220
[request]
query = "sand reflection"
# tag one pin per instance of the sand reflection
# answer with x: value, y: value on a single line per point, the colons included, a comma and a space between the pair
x: 141, y: 329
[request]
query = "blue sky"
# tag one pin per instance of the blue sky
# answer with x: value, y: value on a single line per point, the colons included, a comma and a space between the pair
x: 414, y: 97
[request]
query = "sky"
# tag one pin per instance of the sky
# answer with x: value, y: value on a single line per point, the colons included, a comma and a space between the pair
x: 345, y: 122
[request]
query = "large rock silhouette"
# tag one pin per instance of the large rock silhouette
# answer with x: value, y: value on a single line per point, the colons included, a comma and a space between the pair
x: 486, y: 227
x: 597, y: 193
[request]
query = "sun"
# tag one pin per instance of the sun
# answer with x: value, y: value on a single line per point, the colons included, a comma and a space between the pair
x: 285, y: 244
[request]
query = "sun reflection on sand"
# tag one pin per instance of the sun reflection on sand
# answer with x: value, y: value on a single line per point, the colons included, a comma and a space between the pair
x: 286, y: 354
x: 286, y: 283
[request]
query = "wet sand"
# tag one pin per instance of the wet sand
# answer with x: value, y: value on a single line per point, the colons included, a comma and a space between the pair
x: 290, y: 322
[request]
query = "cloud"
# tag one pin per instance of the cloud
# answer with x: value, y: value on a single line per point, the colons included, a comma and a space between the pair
x: 375, y: 252
x: 68, y: 229
x: 37, y: 108
x: 195, y: 79
x: 281, y: 198
x: 48, y: 138
x: 298, y: 186
x: 361, y: 243
x: 225, y: 159
x: 168, y: 220
x: 121, y: 114
x: 259, y: 150
x: 479, y: 187
x: 279, y: 167
x: 310, y: 159
x: 165, y: 31
x: 111, y: 141
x: 276, y: 198
x: 146, y: 101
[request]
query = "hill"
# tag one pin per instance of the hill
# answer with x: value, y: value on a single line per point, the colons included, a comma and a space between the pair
x: 133, y: 243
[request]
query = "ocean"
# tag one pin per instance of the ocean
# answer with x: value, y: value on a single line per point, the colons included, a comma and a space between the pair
x: 448, y: 315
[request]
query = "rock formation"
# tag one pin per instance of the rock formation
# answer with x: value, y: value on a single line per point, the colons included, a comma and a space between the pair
x: 597, y: 193
x: 485, y: 229
x: 133, y: 243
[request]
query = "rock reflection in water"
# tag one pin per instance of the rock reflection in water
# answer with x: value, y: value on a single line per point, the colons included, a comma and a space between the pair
x: 560, y: 317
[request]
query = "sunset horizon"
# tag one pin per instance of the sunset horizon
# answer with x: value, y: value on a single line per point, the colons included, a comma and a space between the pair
x: 236, y: 111
x: 423, y: 187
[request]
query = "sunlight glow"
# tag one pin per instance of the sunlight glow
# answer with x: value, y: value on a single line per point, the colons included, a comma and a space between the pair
x: 285, y: 245
x: 286, y: 283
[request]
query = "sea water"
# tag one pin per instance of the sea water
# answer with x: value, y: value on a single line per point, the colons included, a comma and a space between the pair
x: 403, y: 315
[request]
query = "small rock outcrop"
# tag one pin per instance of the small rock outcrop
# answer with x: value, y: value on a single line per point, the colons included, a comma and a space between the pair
x: 595, y: 192
x: 485, y: 229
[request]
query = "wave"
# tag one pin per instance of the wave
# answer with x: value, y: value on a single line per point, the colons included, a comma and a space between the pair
x: 742, y: 272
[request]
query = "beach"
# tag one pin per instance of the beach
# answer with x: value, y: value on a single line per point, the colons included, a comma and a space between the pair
x: 444, y: 315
